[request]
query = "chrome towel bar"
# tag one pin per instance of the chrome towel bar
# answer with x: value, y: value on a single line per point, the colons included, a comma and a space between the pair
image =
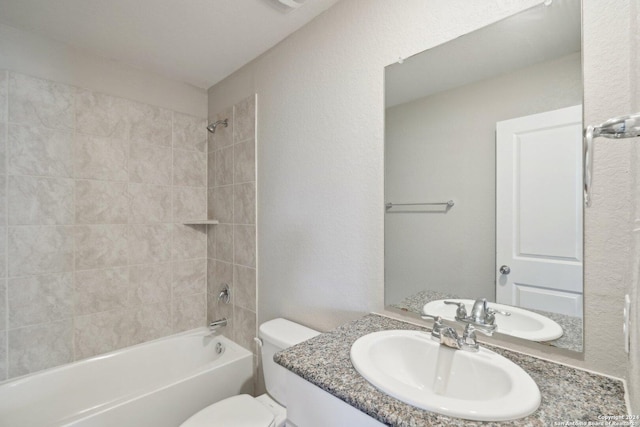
x: 449, y: 204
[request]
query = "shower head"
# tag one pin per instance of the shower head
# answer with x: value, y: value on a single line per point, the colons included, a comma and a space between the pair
x: 212, y: 126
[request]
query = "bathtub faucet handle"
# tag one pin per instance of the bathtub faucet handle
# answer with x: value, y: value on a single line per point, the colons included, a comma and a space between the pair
x: 217, y: 324
x: 225, y: 294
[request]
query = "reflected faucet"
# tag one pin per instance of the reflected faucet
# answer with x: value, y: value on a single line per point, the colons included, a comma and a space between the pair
x: 482, y: 317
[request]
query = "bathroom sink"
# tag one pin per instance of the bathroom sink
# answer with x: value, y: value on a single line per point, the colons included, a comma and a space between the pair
x: 416, y: 369
x: 520, y: 323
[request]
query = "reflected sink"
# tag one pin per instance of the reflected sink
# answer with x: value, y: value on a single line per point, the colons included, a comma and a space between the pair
x: 414, y: 368
x: 521, y: 323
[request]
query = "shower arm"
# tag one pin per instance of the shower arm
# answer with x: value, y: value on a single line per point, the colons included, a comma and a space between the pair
x: 615, y: 128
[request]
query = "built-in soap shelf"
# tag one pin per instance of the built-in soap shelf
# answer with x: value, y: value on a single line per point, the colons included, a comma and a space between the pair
x: 202, y: 222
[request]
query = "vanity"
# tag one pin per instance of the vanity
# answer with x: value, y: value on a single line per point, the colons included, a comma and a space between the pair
x: 324, y: 375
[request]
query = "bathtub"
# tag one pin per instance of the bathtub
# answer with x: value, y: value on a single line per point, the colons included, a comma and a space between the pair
x: 156, y: 384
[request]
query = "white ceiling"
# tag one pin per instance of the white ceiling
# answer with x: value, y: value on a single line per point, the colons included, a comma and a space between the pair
x: 195, y: 41
x: 542, y: 33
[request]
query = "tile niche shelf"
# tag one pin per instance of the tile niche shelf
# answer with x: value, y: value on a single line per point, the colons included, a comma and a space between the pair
x: 201, y: 222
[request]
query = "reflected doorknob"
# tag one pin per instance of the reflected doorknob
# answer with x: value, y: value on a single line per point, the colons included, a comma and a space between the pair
x: 505, y: 269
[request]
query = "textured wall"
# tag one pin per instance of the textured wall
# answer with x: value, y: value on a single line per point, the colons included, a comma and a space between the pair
x: 31, y: 54
x: 232, y: 201
x: 634, y: 291
x: 443, y: 146
x: 93, y: 255
x: 320, y: 160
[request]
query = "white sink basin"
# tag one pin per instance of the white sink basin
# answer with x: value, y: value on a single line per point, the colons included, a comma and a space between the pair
x: 413, y: 368
x: 521, y: 323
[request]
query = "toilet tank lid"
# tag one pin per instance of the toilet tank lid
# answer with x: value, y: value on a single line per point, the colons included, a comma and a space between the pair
x: 284, y: 333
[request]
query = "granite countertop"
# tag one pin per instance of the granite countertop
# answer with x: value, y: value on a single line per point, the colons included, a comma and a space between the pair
x: 568, y: 394
x: 571, y: 338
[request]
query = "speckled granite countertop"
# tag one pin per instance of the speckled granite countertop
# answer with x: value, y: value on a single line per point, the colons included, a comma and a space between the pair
x: 571, y: 338
x: 567, y: 394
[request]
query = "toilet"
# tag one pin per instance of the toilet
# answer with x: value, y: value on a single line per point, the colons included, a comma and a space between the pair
x: 269, y: 409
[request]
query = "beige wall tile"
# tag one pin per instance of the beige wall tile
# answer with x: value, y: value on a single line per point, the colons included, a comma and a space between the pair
x: 149, y: 203
x: 150, y: 124
x: 224, y: 242
x: 189, y: 277
x: 101, y: 202
x: 34, y: 150
x: 189, y: 312
x: 189, y: 241
x: 150, y: 283
x: 39, y: 250
x: 224, y: 135
x: 102, y: 332
x: 152, y: 322
x: 244, y: 161
x: 101, y: 290
x: 244, y: 328
x: 103, y: 115
x: 3, y: 357
x: 211, y: 169
x: 220, y: 273
x: 189, y: 132
x: 244, y: 279
x: 101, y: 158
x: 150, y: 164
x: 3, y: 199
x: 221, y: 203
x: 40, y: 201
x: 189, y: 203
x: 244, y: 245
x: 3, y: 251
x: 101, y: 246
x: 33, y: 348
x: 244, y: 119
x: 3, y: 148
x: 223, y: 168
x: 149, y: 243
x: 40, y: 299
x: 3, y: 306
x: 189, y: 168
x: 211, y: 241
x: 244, y: 203
x: 41, y: 102
x: 4, y: 80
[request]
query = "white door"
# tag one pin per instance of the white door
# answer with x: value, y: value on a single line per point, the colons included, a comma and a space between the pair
x: 539, y: 211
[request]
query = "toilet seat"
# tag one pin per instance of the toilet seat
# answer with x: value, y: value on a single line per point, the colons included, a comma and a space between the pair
x: 237, y: 411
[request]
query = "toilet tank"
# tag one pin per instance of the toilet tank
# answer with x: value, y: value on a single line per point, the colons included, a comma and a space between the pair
x: 276, y: 335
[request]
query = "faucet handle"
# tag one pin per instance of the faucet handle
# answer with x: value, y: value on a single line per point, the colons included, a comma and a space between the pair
x: 468, y: 341
x: 461, y: 312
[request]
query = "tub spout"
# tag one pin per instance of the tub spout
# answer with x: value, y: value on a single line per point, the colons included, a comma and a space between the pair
x: 217, y: 324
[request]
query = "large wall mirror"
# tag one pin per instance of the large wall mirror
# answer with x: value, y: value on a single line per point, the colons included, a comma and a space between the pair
x: 483, y: 177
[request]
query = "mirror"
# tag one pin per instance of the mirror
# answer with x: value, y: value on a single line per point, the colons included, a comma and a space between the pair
x: 483, y: 176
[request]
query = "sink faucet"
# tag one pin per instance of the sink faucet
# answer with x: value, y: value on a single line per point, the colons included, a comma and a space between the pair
x: 446, y: 335
x: 481, y: 315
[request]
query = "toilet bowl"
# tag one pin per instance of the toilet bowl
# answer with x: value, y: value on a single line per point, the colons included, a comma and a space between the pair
x: 269, y: 409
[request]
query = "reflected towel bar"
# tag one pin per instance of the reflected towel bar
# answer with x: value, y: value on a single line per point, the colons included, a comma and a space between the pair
x: 449, y: 204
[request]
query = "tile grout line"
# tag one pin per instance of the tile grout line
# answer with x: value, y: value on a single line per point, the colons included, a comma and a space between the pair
x: 5, y: 107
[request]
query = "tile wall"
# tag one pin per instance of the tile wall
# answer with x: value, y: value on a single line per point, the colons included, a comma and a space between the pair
x: 232, y: 201
x: 93, y: 253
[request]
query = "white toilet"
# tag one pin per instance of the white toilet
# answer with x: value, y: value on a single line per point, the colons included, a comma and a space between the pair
x: 267, y: 410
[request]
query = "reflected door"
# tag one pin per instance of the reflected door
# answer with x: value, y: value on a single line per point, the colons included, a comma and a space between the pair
x: 539, y: 211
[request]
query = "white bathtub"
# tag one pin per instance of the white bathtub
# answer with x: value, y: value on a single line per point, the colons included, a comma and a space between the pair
x: 155, y: 384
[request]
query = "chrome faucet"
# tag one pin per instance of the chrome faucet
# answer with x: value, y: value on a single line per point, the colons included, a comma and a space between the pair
x: 482, y: 317
x: 446, y: 335
x: 217, y: 324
